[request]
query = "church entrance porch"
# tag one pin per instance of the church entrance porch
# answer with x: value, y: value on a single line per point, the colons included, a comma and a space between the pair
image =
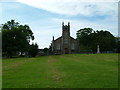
x: 66, y: 51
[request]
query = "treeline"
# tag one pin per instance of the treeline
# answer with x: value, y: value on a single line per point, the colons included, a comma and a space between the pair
x: 16, y: 40
x: 89, y: 39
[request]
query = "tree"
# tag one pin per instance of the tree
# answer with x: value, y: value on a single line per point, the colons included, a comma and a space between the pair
x: 46, y: 51
x: 33, y: 50
x: 50, y: 50
x: 89, y: 39
x: 83, y: 38
x: 104, y: 39
x: 84, y: 32
x: 25, y: 35
x: 15, y: 38
x: 118, y: 44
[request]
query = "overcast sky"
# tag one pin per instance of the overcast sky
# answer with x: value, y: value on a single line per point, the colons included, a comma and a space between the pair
x: 46, y: 16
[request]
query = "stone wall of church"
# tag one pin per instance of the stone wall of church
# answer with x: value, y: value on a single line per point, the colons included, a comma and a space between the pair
x: 57, y: 46
x: 73, y: 44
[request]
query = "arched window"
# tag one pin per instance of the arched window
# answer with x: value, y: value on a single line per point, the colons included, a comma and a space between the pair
x: 58, y: 46
x: 73, y: 46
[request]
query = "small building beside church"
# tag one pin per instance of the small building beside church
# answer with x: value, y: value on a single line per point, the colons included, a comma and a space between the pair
x: 65, y: 44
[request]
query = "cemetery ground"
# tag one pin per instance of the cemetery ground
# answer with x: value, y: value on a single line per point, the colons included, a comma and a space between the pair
x: 62, y: 71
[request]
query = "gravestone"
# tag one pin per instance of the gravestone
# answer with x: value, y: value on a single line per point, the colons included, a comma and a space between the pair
x: 98, y: 49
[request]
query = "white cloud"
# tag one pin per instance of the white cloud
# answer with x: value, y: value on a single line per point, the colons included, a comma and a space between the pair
x: 75, y: 7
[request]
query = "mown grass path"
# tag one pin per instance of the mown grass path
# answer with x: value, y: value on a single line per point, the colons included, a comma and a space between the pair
x: 62, y: 71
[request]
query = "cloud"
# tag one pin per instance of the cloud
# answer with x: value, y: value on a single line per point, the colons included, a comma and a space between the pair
x: 75, y: 7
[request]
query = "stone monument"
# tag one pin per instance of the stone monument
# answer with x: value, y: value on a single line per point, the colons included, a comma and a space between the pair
x: 98, y: 49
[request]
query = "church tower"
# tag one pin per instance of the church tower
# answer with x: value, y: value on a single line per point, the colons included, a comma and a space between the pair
x: 64, y: 44
x: 66, y: 38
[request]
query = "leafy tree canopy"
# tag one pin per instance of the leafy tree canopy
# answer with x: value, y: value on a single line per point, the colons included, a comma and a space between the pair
x: 15, y: 37
x: 89, y: 39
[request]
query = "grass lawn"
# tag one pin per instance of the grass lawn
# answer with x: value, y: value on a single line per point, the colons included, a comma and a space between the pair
x: 62, y: 71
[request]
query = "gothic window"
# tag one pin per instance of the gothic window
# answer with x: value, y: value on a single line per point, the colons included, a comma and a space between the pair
x: 58, y: 46
x: 73, y: 46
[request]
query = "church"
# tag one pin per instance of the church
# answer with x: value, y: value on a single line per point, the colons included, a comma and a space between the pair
x: 65, y: 44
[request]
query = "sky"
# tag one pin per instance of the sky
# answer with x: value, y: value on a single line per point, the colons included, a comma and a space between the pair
x: 45, y: 17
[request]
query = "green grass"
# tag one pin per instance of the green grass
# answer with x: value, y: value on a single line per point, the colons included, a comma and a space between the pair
x: 62, y: 71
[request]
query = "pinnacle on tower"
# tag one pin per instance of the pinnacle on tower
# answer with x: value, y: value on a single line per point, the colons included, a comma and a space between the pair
x: 53, y: 38
x: 68, y: 23
x: 63, y: 23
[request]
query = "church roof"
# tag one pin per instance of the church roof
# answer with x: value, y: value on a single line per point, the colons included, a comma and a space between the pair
x: 58, y: 38
x: 72, y: 38
x: 61, y: 37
